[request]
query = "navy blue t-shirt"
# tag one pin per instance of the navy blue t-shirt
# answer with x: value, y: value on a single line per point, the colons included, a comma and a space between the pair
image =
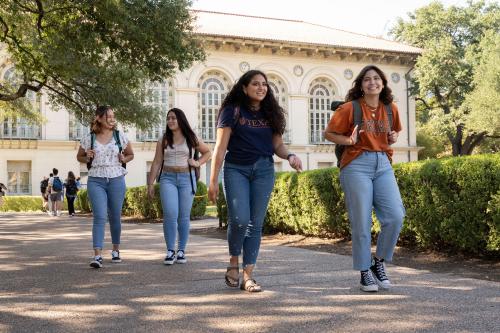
x: 251, y: 138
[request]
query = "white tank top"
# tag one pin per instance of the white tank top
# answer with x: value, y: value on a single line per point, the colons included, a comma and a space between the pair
x: 176, y: 156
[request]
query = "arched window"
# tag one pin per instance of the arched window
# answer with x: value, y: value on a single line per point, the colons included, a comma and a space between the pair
x: 281, y: 94
x: 321, y: 94
x: 76, y: 127
x: 18, y: 127
x: 213, y: 87
x: 161, y: 95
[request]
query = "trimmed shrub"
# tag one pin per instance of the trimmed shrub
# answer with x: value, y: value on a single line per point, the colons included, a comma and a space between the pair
x: 24, y: 203
x: 222, y: 207
x: 451, y: 204
x: 82, y: 202
x: 200, y: 201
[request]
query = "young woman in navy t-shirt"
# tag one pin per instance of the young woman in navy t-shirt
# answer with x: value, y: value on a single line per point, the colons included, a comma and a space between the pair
x: 250, y: 126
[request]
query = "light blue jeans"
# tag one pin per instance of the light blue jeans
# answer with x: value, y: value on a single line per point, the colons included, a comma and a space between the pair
x: 176, y: 201
x: 369, y: 183
x: 106, y: 196
x: 248, y: 189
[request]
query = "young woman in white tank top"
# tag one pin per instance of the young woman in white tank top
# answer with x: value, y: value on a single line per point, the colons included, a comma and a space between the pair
x: 176, y: 192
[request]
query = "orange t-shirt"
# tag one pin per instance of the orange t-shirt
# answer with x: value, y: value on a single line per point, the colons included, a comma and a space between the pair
x: 374, y: 130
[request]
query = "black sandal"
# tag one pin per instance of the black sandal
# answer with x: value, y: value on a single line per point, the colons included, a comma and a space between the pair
x: 251, y: 286
x: 230, y: 281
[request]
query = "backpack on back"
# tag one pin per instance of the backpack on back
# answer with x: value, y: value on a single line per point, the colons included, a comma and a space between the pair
x: 57, y: 185
x: 43, y: 185
x: 358, y: 121
x: 71, y: 187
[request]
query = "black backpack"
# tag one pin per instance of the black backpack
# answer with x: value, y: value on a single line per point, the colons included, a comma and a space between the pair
x: 358, y: 120
x: 43, y: 185
x: 71, y: 187
x: 116, y: 135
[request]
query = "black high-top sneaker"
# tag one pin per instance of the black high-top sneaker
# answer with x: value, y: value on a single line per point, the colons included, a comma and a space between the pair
x: 378, y: 271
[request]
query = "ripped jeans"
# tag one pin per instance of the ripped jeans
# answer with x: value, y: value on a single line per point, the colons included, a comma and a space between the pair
x: 248, y: 189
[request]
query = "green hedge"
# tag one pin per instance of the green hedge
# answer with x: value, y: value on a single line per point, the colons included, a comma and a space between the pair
x: 138, y: 204
x: 451, y: 204
x: 24, y: 203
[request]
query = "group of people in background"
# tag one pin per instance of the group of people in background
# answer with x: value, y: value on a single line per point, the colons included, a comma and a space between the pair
x: 53, y: 190
x: 250, y: 126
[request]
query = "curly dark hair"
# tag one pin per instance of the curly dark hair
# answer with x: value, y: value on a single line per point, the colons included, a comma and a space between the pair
x: 355, y: 92
x: 271, y: 110
x: 187, y: 131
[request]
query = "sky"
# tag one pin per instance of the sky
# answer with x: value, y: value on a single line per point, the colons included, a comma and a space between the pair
x: 374, y: 17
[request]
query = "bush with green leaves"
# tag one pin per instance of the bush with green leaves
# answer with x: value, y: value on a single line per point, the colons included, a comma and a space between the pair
x: 24, y: 203
x: 200, y: 201
x: 451, y: 204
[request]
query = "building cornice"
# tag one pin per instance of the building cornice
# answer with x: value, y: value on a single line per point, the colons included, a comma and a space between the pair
x: 287, y: 48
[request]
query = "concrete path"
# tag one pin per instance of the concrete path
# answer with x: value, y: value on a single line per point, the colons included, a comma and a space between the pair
x: 46, y: 285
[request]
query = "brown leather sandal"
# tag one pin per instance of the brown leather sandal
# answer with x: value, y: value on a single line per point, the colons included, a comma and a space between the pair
x: 230, y: 281
x: 251, y: 286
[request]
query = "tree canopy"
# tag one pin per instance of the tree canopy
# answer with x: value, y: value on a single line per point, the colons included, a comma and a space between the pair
x: 450, y: 78
x: 86, y: 53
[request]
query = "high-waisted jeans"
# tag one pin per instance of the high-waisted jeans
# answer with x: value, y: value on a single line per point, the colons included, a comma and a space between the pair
x: 176, y: 201
x: 248, y: 189
x: 106, y: 196
x: 369, y: 183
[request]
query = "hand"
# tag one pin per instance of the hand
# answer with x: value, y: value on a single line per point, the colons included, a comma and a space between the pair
x: 151, y: 191
x: 193, y: 163
x: 392, y: 137
x: 90, y: 153
x: 121, y: 157
x: 295, y: 163
x: 213, y: 192
x: 354, y: 135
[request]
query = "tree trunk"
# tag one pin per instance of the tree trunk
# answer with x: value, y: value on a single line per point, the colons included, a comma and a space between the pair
x: 466, y: 147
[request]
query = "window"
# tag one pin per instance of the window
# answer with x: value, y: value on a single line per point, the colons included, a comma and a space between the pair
x: 76, y: 127
x: 18, y: 127
x: 281, y: 94
x: 213, y: 87
x: 160, y: 95
x: 321, y: 94
x: 19, y: 177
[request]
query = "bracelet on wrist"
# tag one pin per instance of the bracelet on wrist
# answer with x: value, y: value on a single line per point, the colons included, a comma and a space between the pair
x: 290, y: 155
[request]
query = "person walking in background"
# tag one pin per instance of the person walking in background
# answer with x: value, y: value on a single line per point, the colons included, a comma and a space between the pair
x: 174, y: 159
x: 44, y: 184
x: 250, y: 126
x: 47, y: 193
x: 3, y: 190
x: 56, y: 193
x: 71, y: 188
x: 105, y: 150
x: 366, y: 174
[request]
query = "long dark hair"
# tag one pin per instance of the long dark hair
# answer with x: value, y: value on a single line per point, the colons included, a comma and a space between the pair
x: 187, y: 131
x: 71, y: 175
x: 355, y: 92
x: 270, y: 108
x: 100, y: 111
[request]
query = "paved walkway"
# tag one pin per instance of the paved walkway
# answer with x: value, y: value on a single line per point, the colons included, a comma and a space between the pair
x: 46, y: 285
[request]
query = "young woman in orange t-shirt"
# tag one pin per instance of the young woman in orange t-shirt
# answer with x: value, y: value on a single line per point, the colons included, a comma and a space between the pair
x: 366, y: 174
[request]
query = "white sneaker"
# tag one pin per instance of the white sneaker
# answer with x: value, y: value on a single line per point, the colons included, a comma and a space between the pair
x: 169, y: 258
x: 115, y: 256
x: 58, y: 213
x: 181, y: 257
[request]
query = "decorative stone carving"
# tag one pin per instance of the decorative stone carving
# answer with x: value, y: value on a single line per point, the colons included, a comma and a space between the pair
x: 244, y: 66
x: 298, y: 70
x: 348, y: 74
